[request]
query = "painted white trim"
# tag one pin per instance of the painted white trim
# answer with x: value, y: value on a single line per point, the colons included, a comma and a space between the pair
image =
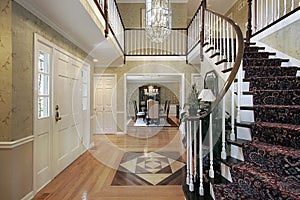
x: 91, y: 145
x: 16, y: 143
x: 155, y: 58
x: 28, y: 196
x: 142, y: 1
x: 120, y: 112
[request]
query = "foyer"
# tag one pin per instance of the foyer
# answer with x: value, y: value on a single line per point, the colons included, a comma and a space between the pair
x: 95, y: 180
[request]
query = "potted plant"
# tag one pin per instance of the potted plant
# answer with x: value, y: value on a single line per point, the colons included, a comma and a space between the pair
x: 193, y: 101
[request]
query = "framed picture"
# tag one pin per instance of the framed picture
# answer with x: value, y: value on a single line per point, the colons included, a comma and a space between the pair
x: 142, y: 18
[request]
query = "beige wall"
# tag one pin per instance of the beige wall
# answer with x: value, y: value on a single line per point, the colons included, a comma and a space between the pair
x: 286, y: 40
x: 16, y: 93
x: 5, y: 70
x: 239, y: 13
x: 143, y: 67
x: 131, y: 14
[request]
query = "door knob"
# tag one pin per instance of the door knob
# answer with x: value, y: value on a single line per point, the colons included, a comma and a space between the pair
x: 57, y: 115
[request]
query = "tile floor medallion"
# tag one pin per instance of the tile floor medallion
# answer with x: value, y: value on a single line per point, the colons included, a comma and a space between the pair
x: 153, y: 168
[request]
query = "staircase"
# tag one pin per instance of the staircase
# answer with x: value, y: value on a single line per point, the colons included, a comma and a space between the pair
x: 270, y: 165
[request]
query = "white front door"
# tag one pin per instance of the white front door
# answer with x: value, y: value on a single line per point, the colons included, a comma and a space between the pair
x: 67, y: 126
x: 61, y: 110
x: 104, y: 104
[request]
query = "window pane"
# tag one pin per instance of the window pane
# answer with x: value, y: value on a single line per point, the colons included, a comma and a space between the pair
x: 84, y: 90
x: 84, y: 103
x: 43, y: 107
x: 43, y: 62
x: 43, y: 84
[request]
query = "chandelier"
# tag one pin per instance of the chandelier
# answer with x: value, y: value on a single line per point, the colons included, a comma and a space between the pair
x: 151, y: 91
x: 158, y: 20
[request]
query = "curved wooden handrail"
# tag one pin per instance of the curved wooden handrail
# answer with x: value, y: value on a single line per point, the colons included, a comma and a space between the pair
x: 236, y: 65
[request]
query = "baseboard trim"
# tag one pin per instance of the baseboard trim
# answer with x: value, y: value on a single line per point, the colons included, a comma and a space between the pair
x: 16, y: 143
x: 28, y: 196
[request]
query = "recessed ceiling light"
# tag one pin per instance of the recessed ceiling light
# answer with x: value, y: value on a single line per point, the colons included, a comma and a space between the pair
x: 95, y: 60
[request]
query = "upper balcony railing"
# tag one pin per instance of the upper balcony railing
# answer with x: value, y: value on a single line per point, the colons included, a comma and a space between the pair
x: 138, y: 44
x: 114, y: 24
x: 264, y: 13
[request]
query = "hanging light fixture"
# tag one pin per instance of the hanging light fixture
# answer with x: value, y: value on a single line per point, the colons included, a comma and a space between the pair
x: 158, y: 19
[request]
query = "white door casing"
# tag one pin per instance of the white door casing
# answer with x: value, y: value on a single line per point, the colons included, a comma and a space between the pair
x: 42, y: 170
x: 104, y: 105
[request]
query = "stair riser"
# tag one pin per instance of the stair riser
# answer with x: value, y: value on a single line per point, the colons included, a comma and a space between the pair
x: 225, y: 172
x: 243, y: 133
x: 247, y: 115
x: 246, y: 100
x: 236, y: 152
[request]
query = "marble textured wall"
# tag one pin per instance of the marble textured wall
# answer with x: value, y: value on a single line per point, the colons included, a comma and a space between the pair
x: 145, y: 67
x: 131, y: 14
x: 5, y: 70
x: 286, y: 40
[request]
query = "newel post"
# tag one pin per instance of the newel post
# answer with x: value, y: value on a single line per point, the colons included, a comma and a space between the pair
x: 106, y: 18
x: 202, y: 29
x: 249, y: 23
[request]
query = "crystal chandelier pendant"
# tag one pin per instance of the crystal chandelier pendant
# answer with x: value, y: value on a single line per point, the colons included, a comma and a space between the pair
x: 158, y: 20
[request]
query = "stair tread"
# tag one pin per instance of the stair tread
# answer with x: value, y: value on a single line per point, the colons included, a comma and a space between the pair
x: 227, y: 70
x: 238, y: 142
x: 244, y: 124
x: 269, y: 106
x: 276, y: 125
x: 230, y: 161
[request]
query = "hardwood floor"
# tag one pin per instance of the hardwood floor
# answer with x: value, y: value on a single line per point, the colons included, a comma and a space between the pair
x: 91, y: 175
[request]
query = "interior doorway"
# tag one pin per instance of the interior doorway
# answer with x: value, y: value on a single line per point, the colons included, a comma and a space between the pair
x: 104, y: 104
x: 174, y: 82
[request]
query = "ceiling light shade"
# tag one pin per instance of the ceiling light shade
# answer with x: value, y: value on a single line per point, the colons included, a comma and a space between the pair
x: 207, y: 95
x: 158, y: 23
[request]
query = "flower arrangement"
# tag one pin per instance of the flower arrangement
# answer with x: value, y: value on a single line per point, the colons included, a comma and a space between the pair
x: 193, y: 101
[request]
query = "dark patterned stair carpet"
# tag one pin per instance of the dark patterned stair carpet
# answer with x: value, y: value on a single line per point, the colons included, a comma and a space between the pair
x: 287, y: 135
x: 269, y: 71
x: 271, y: 169
x: 275, y: 83
x: 276, y: 97
x: 262, y: 61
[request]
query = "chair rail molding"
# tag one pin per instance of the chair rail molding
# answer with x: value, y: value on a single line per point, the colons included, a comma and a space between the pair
x: 16, y: 143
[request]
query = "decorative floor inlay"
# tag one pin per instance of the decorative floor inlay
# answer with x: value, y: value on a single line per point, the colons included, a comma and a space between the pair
x: 153, y: 168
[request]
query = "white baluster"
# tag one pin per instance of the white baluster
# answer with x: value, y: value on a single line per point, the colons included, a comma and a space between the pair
x: 211, y: 152
x: 201, y: 189
x: 223, y: 152
x: 191, y: 185
x: 293, y: 5
x: 228, y: 42
x: 284, y: 11
x: 267, y: 13
x: 232, y: 134
x: 187, y: 153
x: 261, y: 15
x: 195, y: 150
x: 239, y: 93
